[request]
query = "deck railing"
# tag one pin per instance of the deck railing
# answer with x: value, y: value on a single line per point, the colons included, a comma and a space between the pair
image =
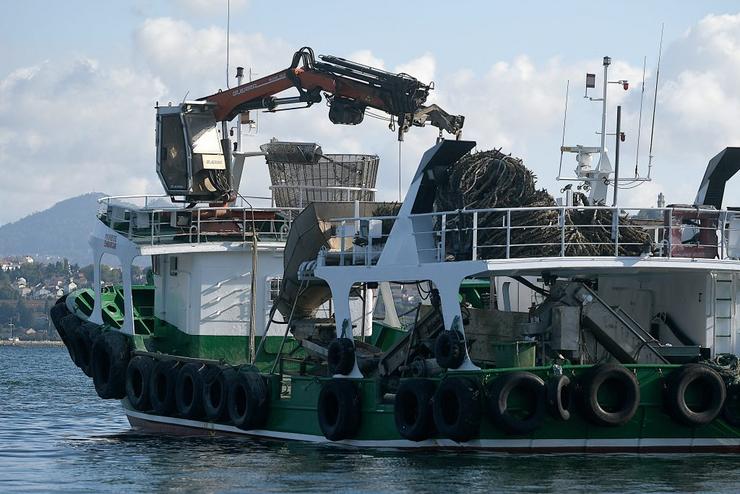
x: 146, y: 220
x: 552, y: 231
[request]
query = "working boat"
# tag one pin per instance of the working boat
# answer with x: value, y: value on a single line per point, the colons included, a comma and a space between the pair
x: 562, y: 326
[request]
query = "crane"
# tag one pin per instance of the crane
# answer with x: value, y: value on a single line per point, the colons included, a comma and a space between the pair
x: 194, y: 164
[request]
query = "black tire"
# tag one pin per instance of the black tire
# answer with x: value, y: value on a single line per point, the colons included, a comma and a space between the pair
x: 247, y: 400
x: 216, y: 383
x: 449, y: 349
x: 138, y: 377
x: 341, y: 356
x: 189, y: 391
x: 70, y: 324
x: 110, y: 357
x: 559, y: 397
x: 339, y: 409
x: 56, y: 314
x: 457, y: 409
x: 534, y: 411
x: 162, y: 387
x: 413, y: 409
x: 731, y: 408
x: 705, y: 380
x: 624, y: 386
x: 82, y: 340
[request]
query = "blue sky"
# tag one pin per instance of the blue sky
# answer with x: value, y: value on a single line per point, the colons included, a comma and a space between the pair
x: 78, y: 80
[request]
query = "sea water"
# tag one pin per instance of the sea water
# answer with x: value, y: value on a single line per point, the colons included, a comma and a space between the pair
x: 57, y: 435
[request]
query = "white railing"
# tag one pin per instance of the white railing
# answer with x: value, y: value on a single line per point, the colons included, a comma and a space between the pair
x: 552, y: 231
x: 156, y: 223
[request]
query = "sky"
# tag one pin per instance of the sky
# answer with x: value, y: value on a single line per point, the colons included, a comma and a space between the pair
x: 79, y: 81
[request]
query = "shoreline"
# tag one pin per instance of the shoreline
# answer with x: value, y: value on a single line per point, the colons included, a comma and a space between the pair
x: 39, y: 343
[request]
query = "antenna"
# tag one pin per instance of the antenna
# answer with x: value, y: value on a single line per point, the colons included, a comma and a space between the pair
x: 639, y: 120
x: 655, y: 100
x: 565, y: 119
x: 228, y: 25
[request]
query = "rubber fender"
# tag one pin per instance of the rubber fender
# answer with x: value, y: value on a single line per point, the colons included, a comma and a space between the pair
x: 731, y: 408
x: 626, y: 391
x: 138, y: 376
x: 216, y: 383
x: 83, y: 340
x: 559, y: 396
x: 449, y: 349
x: 412, y: 409
x: 532, y: 417
x: 70, y: 324
x: 339, y: 409
x: 713, y: 394
x: 247, y: 400
x: 162, y: 387
x: 109, y: 361
x: 56, y: 314
x: 189, y: 391
x: 457, y: 409
x: 341, y: 356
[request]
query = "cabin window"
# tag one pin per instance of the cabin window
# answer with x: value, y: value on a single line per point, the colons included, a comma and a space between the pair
x: 273, y: 289
x: 157, y: 265
x: 173, y: 265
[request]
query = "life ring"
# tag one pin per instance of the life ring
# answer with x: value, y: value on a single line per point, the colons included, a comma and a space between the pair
x: 559, y: 396
x: 247, y: 400
x: 341, y: 356
x: 708, y: 386
x: 162, y: 387
x: 413, y: 409
x: 625, y: 395
x: 457, y: 409
x: 216, y: 383
x: 449, y: 349
x: 189, y: 391
x: 110, y: 356
x: 138, y: 375
x: 339, y: 409
x: 530, y: 414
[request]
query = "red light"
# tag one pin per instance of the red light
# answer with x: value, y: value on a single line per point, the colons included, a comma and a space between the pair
x: 625, y: 85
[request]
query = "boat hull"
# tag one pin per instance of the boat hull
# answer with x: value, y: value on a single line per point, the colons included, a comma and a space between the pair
x: 154, y: 424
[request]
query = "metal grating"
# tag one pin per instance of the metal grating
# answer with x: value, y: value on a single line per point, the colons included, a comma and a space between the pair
x: 334, y: 178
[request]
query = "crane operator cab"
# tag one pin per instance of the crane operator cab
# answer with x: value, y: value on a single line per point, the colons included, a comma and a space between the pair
x: 193, y: 162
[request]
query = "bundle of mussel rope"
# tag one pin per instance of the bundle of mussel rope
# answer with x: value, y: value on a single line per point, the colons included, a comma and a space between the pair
x: 491, y: 179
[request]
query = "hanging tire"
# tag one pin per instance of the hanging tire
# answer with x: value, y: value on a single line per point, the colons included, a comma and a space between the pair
x: 138, y: 377
x: 82, y: 340
x: 70, y: 324
x: 339, y: 409
x: 56, y: 314
x: 162, y: 387
x: 216, y: 383
x: 457, y: 409
x: 706, y: 382
x: 247, y: 400
x: 413, y: 409
x: 731, y: 408
x: 110, y: 356
x: 449, y: 349
x: 528, y: 418
x: 559, y: 396
x: 625, y: 394
x: 189, y: 391
x: 341, y: 356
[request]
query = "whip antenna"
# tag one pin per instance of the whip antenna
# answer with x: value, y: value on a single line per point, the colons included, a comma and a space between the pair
x: 228, y: 22
x: 639, y: 120
x: 565, y: 119
x: 655, y: 100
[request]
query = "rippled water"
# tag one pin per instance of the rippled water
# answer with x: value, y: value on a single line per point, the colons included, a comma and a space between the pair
x: 55, y: 434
